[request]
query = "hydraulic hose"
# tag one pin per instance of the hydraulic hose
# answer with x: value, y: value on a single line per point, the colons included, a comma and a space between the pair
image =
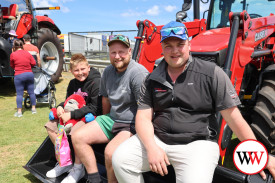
x: 138, y: 41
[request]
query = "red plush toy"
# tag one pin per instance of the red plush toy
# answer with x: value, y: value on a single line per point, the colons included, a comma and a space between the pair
x: 73, y: 102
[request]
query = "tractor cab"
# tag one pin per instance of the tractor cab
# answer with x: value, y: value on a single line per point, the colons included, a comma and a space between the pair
x: 218, y: 15
x: 10, y: 16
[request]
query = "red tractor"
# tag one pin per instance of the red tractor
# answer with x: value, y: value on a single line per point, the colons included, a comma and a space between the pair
x: 239, y: 36
x: 22, y: 18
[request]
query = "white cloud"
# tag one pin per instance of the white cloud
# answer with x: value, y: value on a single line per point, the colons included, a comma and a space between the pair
x: 170, y: 8
x: 41, y: 3
x: 64, y: 9
x: 153, y: 11
x: 51, y: 3
x: 131, y: 13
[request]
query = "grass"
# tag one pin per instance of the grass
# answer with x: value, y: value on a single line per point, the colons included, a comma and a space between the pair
x: 20, y: 137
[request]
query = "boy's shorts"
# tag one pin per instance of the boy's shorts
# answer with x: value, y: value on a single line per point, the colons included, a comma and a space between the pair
x: 110, y: 128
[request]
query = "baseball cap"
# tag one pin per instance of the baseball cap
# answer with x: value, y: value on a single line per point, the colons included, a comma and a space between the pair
x: 174, y: 29
x: 119, y: 38
x: 27, y: 37
x: 12, y: 33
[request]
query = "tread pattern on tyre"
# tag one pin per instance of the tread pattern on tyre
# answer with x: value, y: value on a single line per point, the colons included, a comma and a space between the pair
x: 263, y: 117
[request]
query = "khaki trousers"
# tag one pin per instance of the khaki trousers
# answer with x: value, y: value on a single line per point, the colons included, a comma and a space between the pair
x: 193, y: 163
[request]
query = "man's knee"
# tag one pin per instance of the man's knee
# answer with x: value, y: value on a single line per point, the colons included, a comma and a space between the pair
x: 77, y: 137
x: 108, y: 153
x: 118, y: 157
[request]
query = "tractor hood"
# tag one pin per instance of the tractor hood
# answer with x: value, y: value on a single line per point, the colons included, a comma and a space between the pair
x: 211, y: 40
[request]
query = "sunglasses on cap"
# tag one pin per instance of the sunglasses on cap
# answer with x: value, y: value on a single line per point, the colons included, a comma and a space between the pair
x: 118, y: 37
x: 176, y: 30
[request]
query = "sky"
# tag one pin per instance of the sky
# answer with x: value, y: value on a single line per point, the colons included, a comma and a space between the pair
x: 102, y: 15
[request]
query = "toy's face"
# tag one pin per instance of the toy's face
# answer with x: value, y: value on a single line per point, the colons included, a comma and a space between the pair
x: 71, y: 105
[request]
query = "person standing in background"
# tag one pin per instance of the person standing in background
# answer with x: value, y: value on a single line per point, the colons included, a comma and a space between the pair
x: 32, y: 49
x: 13, y: 37
x: 22, y: 62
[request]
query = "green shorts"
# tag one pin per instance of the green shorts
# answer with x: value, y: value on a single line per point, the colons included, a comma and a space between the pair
x: 106, y: 124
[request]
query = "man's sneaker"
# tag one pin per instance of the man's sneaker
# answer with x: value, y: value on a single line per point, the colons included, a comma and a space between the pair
x: 34, y: 111
x: 57, y: 171
x: 75, y: 175
x: 18, y: 114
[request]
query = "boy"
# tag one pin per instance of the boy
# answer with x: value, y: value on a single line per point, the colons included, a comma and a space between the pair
x: 88, y: 80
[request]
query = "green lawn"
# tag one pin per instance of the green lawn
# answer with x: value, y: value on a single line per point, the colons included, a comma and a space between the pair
x: 20, y: 137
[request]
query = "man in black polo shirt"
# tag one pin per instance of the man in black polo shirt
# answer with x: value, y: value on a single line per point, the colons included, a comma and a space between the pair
x: 176, y: 121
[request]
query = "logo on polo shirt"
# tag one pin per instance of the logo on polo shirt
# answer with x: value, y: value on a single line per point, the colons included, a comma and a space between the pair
x: 232, y: 94
x: 159, y: 90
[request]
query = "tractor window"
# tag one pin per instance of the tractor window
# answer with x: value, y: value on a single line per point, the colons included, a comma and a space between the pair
x: 21, y: 4
x: 222, y: 8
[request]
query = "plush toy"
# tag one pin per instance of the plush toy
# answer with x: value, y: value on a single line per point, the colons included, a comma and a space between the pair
x: 73, y: 102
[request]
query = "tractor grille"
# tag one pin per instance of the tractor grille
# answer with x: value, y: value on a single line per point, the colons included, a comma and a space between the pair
x: 218, y: 57
x: 207, y: 58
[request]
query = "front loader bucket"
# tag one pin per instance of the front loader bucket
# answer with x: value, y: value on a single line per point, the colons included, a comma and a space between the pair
x: 44, y: 160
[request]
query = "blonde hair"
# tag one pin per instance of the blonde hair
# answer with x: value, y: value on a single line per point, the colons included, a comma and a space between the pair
x: 76, y: 59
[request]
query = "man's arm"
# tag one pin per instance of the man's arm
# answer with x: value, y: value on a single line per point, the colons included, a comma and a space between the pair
x: 106, y: 106
x: 239, y: 126
x: 38, y: 60
x: 236, y: 122
x: 157, y: 158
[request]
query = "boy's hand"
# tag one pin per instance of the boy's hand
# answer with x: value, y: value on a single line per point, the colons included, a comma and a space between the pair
x: 89, y: 117
x: 66, y: 117
x: 51, y: 116
x: 59, y: 111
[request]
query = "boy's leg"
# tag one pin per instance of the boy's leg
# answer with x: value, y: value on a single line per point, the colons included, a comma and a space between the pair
x: 194, y: 162
x: 130, y: 160
x: 109, y: 150
x: 51, y: 127
x: 91, y: 133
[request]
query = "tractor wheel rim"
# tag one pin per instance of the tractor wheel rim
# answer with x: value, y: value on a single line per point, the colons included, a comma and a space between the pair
x: 49, y: 49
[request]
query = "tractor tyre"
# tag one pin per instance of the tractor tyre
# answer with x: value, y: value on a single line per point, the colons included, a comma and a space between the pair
x: 49, y: 46
x: 263, y: 116
x: 27, y: 102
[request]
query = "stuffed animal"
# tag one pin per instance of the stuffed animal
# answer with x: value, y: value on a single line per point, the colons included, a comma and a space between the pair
x: 73, y: 102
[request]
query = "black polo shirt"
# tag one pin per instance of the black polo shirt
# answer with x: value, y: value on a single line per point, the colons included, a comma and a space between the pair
x: 185, y: 111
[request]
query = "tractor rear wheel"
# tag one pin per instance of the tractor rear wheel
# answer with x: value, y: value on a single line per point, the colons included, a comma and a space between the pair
x: 49, y: 46
x: 263, y: 117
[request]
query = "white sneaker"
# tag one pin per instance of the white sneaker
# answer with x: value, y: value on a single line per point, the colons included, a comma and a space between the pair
x: 57, y: 171
x: 75, y: 175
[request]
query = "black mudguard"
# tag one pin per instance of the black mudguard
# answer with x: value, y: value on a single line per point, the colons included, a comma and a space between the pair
x: 5, y: 51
